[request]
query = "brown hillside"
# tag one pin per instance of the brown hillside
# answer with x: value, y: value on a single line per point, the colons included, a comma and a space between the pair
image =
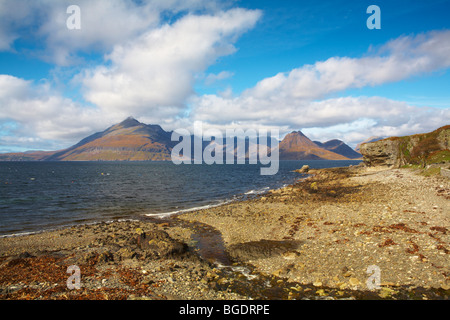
x: 296, y: 146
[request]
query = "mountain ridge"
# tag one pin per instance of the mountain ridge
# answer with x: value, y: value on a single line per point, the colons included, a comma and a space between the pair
x: 339, y: 147
x: 128, y: 140
x: 297, y: 146
x: 131, y: 140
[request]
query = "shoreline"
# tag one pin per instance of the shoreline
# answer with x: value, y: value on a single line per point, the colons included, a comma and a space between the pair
x: 308, y: 240
x: 158, y: 215
x: 238, y: 196
x: 162, y: 216
x: 381, y: 216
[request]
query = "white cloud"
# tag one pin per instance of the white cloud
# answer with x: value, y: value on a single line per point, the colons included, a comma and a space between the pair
x: 149, y: 76
x: 155, y: 73
x: 397, y: 60
x: 150, y: 71
x: 335, y: 115
x: 298, y: 99
x: 104, y: 24
x: 43, y: 115
x: 401, y: 120
x: 212, y: 78
x: 14, y: 16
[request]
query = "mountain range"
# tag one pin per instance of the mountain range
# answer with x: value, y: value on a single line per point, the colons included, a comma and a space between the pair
x: 132, y: 140
x: 297, y: 146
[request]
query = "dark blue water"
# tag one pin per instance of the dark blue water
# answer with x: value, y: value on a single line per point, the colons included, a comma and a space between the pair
x: 36, y: 196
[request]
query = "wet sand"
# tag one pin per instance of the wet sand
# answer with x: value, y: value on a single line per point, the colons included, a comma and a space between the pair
x: 315, y: 239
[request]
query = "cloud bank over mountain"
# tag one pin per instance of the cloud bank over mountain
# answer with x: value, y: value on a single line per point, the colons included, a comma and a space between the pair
x: 149, y: 56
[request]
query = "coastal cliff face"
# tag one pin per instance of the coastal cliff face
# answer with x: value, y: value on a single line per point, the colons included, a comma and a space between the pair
x: 368, y: 140
x: 419, y: 149
x: 381, y: 153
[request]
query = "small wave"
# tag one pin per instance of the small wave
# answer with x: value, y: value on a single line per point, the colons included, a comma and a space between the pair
x: 163, y: 215
x: 259, y: 191
x: 246, y: 272
x: 19, y: 234
x: 64, y: 226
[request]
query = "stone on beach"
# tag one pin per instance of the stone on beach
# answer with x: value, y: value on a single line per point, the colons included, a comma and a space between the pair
x: 158, y: 243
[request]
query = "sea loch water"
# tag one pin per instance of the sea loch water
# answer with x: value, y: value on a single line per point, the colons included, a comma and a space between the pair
x: 37, y: 196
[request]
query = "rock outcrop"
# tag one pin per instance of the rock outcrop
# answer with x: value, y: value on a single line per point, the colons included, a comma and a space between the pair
x: 419, y: 149
x: 368, y: 140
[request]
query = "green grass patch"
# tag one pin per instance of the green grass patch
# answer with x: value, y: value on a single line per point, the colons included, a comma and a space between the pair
x: 411, y: 166
x: 439, y: 157
x: 434, y: 171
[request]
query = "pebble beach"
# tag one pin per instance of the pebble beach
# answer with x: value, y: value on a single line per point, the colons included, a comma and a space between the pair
x: 341, y: 233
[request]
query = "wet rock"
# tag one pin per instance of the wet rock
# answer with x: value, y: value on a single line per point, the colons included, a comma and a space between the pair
x: 25, y: 255
x: 261, y: 249
x: 105, y: 257
x: 386, y: 293
x: 289, y: 255
x: 317, y: 283
x: 321, y: 293
x: 89, y: 257
x: 346, y: 272
x: 148, y: 280
x: 126, y: 253
x: 158, y: 244
x: 445, y: 287
x: 304, y: 169
x: 354, y: 281
x: 135, y: 297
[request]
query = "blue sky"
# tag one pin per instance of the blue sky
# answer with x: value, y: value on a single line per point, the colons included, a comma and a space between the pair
x: 293, y: 33
x: 291, y: 65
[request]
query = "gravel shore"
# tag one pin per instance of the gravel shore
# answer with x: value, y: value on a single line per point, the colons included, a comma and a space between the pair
x: 314, y: 239
x: 328, y: 229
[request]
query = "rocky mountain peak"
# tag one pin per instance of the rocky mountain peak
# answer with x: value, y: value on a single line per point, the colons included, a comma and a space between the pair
x: 129, y: 122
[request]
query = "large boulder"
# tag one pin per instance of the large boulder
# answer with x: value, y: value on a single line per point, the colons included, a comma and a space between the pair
x: 304, y: 169
x: 382, y: 153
